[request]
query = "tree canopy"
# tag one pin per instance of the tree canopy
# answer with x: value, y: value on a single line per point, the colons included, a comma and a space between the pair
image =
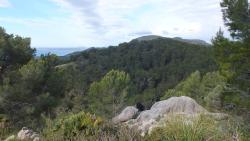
x: 15, y: 51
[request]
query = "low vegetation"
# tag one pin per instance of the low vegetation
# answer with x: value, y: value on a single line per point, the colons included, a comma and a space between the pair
x: 86, y: 127
x: 201, y: 128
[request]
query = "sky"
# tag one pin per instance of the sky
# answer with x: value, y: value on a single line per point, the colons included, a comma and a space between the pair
x: 100, y: 23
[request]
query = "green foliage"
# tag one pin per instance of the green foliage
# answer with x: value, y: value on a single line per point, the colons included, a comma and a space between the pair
x: 207, y: 90
x: 31, y: 90
x: 172, y: 92
x: 214, y: 97
x: 75, y: 124
x: 191, y: 85
x: 14, y: 52
x: 153, y: 66
x: 33, y: 72
x: 199, y: 128
x: 103, y: 132
x: 107, y: 96
x: 236, y: 14
x: 211, y: 80
x: 233, y: 56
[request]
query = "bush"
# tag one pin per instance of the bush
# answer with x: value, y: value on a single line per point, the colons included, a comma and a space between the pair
x: 213, y: 99
x: 74, y: 124
x: 206, y: 90
x: 71, y: 128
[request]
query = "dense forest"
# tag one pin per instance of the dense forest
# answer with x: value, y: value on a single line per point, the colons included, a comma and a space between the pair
x: 153, y: 66
x: 99, y: 82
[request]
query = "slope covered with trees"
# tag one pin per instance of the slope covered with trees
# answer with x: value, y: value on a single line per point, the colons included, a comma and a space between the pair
x: 152, y: 65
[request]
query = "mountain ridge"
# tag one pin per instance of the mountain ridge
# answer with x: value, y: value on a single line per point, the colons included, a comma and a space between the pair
x: 146, y: 38
x: 154, y: 37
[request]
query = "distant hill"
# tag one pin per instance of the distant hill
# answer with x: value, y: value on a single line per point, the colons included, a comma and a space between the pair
x: 149, y: 37
x: 68, y: 52
x: 192, y: 41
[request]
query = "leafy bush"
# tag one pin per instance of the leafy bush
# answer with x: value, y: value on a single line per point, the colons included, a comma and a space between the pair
x: 207, y: 90
x: 213, y: 99
x: 74, y: 124
x: 86, y: 127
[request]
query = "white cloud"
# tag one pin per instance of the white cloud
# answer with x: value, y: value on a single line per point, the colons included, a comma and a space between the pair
x: 109, y: 22
x: 118, y: 20
x: 4, y: 3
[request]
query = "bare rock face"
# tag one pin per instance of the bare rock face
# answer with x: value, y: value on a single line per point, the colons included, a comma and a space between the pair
x: 128, y: 113
x: 172, y: 105
x: 27, y: 134
x: 181, y: 106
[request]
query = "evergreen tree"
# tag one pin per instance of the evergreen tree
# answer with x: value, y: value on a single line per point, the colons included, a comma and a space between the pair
x: 236, y: 15
x: 233, y: 56
x: 15, y: 51
x: 109, y: 93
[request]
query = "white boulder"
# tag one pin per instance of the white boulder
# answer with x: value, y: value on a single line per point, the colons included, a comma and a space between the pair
x: 128, y: 113
x: 181, y: 106
x: 27, y: 134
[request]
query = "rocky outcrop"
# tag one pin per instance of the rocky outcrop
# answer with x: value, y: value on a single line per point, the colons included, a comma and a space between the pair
x: 27, y: 134
x: 170, y: 106
x: 149, y: 119
x: 128, y: 113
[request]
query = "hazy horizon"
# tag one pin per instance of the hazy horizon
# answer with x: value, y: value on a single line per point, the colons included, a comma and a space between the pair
x: 57, y: 51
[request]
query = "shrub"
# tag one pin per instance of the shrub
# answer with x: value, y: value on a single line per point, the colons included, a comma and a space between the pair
x: 213, y: 99
x: 68, y: 128
x: 74, y: 124
x: 206, y: 90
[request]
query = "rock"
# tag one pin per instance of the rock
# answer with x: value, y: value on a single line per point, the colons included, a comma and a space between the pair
x: 128, y: 113
x: 172, y: 105
x: 162, y: 110
x: 27, y: 134
x: 181, y: 104
x: 11, y: 138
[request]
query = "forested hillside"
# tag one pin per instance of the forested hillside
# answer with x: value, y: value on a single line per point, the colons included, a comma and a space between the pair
x: 152, y: 65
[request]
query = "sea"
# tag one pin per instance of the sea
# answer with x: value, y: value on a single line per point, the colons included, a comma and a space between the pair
x: 57, y: 51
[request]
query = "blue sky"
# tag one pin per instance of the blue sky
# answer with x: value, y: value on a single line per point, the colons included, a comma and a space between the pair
x: 85, y: 23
